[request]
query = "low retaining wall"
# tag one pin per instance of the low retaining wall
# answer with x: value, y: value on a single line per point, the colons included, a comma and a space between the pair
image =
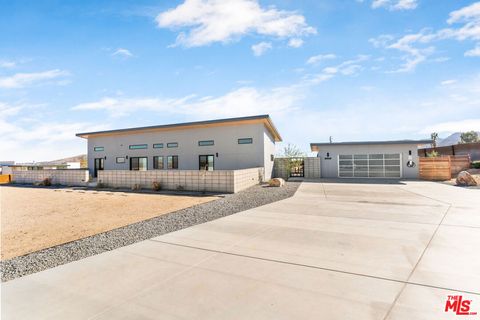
x: 63, y: 177
x: 228, y: 181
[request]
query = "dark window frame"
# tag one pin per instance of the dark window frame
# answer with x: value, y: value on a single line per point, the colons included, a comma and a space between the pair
x: 172, y: 145
x: 206, y: 143
x: 98, y: 149
x: 157, y: 145
x: 116, y: 159
x: 174, y: 161
x: 138, y: 163
x: 142, y: 146
x: 206, y: 158
x: 245, y: 141
x: 155, y: 163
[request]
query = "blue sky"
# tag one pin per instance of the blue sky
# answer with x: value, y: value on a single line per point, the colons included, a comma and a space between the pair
x: 350, y: 69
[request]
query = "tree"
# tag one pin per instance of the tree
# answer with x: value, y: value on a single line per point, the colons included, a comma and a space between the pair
x: 469, y: 136
x: 434, y: 137
x: 292, y: 151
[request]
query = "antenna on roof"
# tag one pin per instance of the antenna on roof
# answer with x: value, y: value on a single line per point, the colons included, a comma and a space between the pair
x: 330, y: 139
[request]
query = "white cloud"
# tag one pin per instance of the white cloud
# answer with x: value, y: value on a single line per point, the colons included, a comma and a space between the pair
x: 475, y: 52
x: 7, y: 64
x: 210, y: 21
x: 20, y: 80
x: 260, y: 48
x: 125, y: 53
x: 381, y: 41
x: 295, y: 42
x: 321, y: 57
x: 242, y: 101
x: 394, y: 5
x: 468, y: 13
x: 453, y: 126
x: 448, y: 82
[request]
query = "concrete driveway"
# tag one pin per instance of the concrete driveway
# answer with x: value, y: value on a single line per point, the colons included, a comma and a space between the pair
x: 333, y: 251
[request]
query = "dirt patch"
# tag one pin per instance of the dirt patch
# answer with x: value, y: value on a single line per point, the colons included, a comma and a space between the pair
x: 33, y: 219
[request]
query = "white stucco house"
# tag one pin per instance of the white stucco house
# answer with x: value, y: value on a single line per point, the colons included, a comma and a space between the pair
x: 224, y: 144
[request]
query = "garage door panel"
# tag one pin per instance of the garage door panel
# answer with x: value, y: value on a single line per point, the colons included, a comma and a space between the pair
x: 369, y: 165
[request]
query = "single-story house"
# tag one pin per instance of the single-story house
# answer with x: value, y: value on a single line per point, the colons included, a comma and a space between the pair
x: 224, y: 144
x: 369, y: 159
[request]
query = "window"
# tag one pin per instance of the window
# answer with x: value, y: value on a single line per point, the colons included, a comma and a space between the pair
x: 172, y: 162
x: 172, y: 144
x: 245, y: 141
x: 138, y: 163
x: 158, y: 162
x: 137, y: 146
x: 120, y: 160
x: 157, y: 145
x: 98, y: 148
x: 206, y: 143
x: 206, y: 162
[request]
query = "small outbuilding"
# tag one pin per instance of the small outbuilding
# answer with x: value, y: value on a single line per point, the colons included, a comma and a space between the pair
x: 369, y: 159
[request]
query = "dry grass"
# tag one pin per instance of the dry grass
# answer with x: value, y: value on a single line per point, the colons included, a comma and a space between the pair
x: 33, y: 218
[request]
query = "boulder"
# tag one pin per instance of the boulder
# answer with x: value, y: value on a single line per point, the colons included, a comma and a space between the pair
x: 276, y: 182
x: 465, y: 179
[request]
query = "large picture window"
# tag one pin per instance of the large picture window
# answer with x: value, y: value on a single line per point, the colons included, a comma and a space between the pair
x: 138, y: 163
x: 172, y: 162
x: 158, y: 162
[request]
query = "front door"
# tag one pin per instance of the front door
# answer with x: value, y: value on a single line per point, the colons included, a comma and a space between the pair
x: 99, y: 165
x: 206, y: 162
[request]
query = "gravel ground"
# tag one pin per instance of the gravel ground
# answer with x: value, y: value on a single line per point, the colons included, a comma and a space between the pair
x: 79, y: 249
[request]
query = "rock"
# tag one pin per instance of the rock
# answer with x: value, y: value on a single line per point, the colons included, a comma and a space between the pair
x: 276, y: 182
x: 465, y: 179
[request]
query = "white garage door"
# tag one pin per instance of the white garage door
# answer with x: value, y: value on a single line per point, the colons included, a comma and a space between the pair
x: 379, y: 165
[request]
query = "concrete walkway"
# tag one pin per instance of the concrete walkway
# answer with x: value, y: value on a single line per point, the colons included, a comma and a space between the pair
x: 333, y: 251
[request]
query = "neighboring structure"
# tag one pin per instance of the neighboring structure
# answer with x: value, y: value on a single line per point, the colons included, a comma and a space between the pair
x: 461, y: 149
x: 225, y: 144
x: 301, y: 167
x: 369, y: 159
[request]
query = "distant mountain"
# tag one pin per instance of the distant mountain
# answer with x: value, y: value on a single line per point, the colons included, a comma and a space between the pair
x: 452, y: 139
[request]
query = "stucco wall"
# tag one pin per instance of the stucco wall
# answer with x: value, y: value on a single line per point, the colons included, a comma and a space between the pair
x: 228, y: 181
x: 268, y: 152
x: 231, y: 155
x: 329, y: 167
x: 63, y: 177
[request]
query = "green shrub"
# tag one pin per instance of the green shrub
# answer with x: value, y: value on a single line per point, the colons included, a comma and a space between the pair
x: 47, y: 182
x: 475, y: 165
x: 432, y: 154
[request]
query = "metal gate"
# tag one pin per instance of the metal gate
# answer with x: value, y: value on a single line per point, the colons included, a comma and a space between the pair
x: 296, y: 167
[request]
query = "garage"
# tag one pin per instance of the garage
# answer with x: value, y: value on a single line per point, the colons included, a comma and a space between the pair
x: 382, y: 165
x: 397, y: 159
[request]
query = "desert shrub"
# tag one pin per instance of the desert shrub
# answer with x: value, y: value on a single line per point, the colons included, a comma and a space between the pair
x: 180, y: 188
x: 475, y: 164
x: 432, y: 154
x: 47, y: 182
x: 101, y: 185
x: 136, y: 187
x: 156, y: 186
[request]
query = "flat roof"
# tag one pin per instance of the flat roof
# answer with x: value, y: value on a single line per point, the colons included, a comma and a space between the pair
x: 265, y: 119
x: 315, y: 146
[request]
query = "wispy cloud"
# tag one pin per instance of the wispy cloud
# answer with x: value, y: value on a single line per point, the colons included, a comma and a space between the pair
x: 260, y: 48
x: 242, y: 101
x: 295, y: 42
x: 416, y: 46
x: 122, y: 52
x: 211, y: 21
x: 475, y: 52
x: 453, y: 126
x: 320, y: 57
x: 20, y: 80
x: 395, y: 5
x: 448, y: 82
x: 6, y: 64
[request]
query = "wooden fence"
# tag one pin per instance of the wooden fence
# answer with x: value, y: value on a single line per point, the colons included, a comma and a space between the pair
x: 442, y: 168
